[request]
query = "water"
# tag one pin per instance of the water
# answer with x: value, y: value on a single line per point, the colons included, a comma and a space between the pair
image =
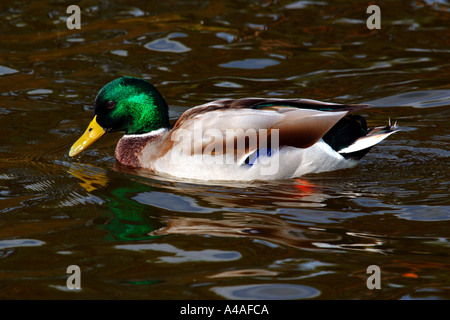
x: 136, y: 235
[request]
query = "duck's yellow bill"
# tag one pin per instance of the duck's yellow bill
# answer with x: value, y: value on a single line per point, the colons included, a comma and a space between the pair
x: 92, y: 133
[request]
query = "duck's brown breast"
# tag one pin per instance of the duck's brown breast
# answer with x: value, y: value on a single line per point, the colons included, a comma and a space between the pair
x: 130, y: 147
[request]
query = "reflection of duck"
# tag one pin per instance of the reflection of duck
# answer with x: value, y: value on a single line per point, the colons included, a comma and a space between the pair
x: 126, y: 219
x: 91, y: 176
x: 127, y: 212
x: 242, y: 139
x: 233, y: 195
x: 263, y: 227
x: 273, y: 230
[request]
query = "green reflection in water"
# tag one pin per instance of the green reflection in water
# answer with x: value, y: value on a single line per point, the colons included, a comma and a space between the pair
x: 127, y: 219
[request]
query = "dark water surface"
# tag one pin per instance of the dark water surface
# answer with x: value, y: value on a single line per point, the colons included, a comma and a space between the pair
x: 138, y: 236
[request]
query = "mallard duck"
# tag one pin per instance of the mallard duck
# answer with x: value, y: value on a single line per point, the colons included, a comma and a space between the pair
x: 242, y: 139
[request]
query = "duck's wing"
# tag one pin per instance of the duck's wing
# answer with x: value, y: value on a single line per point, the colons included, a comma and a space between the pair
x: 268, y: 104
x: 256, y: 123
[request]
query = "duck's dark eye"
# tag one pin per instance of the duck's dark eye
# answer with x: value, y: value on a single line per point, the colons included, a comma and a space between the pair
x: 111, y: 104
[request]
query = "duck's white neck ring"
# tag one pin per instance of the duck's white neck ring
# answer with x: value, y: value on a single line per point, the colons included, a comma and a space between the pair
x: 147, y: 134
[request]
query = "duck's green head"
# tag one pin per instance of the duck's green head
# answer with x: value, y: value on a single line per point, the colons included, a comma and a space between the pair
x: 126, y: 104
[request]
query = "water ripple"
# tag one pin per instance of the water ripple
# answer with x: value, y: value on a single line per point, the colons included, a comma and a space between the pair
x: 272, y: 291
x: 168, y: 45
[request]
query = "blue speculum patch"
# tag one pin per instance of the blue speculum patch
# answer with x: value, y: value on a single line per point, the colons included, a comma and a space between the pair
x: 259, y: 153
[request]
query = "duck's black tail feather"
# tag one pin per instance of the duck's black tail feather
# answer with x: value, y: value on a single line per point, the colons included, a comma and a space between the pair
x: 352, y: 139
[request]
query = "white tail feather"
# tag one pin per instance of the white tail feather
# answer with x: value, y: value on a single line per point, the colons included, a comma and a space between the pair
x: 366, y: 142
